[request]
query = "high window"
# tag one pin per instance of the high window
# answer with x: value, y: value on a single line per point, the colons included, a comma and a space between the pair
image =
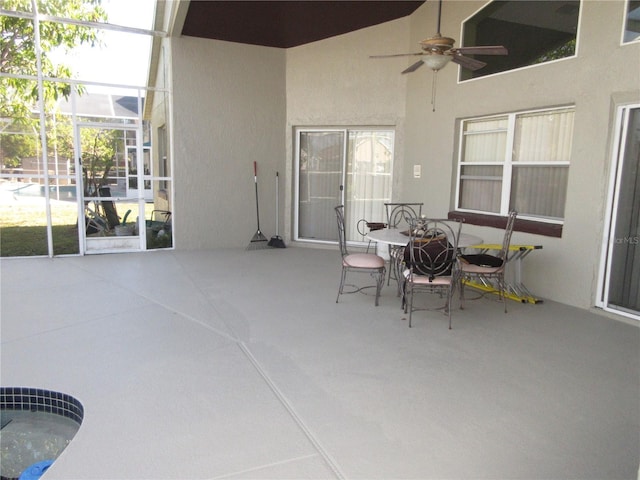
x: 516, y: 161
x: 533, y: 31
x: 632, y: 22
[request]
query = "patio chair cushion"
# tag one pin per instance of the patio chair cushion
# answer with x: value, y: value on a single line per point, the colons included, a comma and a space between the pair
x: 427, y: 280
x: 363, y: 260
x: 482, y: 260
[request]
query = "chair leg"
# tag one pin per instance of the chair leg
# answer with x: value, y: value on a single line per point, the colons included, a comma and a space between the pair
x: 503, y: 291
x: 455, y: 281
x: 379, y: 283
x: 393, y: 261
x: 449, y: 306
x: 342, y: 279
x: 403, y: 298
x: 399, y: 276
x: 410, y: 304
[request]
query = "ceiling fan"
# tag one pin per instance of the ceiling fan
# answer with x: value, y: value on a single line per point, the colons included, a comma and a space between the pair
x: 438, y: 51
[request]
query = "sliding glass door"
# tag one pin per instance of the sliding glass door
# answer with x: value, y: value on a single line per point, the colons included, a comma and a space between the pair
x: 321, y: 163
x: 341, y: 166
x: 621, y: 280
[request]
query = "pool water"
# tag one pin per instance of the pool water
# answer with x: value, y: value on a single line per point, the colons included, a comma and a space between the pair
x: 29, y: 437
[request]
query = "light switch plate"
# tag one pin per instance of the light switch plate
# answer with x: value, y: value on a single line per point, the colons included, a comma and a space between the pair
x: 417, y: 170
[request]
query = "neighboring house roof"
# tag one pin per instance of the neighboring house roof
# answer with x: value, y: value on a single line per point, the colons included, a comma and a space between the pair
x: 103, y: 105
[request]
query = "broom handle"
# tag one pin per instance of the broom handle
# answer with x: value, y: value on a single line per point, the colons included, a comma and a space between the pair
x: 255, y: 181
x: 277, y: 213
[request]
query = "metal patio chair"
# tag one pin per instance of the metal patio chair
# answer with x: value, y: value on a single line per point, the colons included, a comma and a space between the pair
x: 368, y: 263
x: 488, y: 269
x: 431, y: 262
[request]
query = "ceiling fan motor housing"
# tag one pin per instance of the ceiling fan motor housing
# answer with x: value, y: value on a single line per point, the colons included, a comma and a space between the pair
x: 437, y: 42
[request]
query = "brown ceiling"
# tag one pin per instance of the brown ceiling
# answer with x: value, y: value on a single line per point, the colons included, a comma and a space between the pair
x: 287, y: 24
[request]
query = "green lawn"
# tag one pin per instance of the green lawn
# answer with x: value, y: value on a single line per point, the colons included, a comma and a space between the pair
x: 23, y: 226
x: 28, y: 241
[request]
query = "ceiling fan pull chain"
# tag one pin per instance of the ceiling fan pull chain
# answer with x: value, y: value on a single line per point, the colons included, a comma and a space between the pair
x: 434, y: 79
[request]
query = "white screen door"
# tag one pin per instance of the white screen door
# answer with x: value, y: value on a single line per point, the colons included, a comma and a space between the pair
x: 112, y: 217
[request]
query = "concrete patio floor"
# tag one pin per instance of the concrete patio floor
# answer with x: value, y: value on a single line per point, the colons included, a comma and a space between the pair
x: 233, y: 364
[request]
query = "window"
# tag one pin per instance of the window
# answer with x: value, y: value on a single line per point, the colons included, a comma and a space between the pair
x: 533, y: 31
x: 632, y: 22
x: 516, y: 161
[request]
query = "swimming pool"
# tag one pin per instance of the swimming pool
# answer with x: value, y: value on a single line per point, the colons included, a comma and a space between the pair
x: 35, y: 425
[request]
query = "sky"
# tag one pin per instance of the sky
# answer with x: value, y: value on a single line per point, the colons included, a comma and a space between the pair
x: 124, y: 58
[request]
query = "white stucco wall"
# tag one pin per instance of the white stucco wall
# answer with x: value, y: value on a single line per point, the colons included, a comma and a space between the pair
x: 334, y: 83
x: 229, y: 111
x: 238, y: 103
x: 566, y: 269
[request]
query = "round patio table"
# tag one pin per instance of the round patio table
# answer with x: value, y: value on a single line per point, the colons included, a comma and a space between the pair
x: 395, y: 237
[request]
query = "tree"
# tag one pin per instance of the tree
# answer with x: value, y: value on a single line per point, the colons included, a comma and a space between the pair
x: 18, y: 51
x: 563, y: 50
x: 98, y: 157
x: 15, y: 147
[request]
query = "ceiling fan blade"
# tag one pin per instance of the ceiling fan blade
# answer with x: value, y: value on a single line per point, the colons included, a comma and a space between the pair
x: 395, y: 55
x: 413, y: 67
x: 483, y: 50
x: 466, y: 62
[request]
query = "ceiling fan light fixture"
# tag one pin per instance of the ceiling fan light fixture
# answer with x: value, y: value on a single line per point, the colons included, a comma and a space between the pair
x: 436, y: 62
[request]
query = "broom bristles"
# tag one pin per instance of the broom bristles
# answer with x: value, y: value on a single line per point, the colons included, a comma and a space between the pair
x: 276, y: 242
x: 258, y: 241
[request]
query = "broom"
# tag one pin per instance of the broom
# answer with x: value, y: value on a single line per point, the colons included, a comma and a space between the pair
x: 277, y: 241
x: 258, y: 241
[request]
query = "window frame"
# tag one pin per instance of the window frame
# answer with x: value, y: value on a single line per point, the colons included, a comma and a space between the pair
x: 462, y: 79
x: 484, y: 217
x: 353, y: 237
x: 625, y: 15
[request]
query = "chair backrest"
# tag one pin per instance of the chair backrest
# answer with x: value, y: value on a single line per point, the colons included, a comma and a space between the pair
x: 508, y: 230
x: 400, y: 215
x: 363, y: 224
x: 342, y: 240
x: 433, y: 247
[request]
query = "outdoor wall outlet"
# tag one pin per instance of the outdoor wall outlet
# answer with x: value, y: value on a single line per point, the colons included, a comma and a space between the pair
x: 417, y: 170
